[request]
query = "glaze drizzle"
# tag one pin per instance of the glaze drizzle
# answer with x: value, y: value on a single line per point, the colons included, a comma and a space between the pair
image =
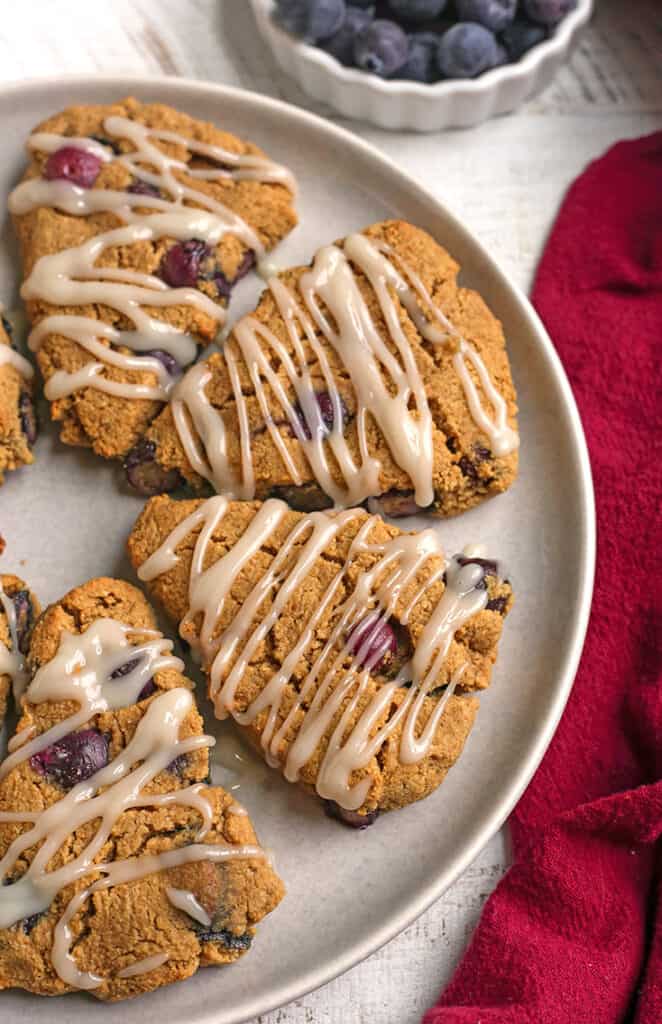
x: 388, y: 385
x: 339, y: 677
x: 85, y: 671
x: 73, y: 278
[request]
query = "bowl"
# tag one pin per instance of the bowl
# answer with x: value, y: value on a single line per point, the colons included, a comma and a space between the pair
x: 412, y: 106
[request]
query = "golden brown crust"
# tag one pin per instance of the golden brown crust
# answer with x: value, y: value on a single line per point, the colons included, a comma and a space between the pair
x: 15, y: 450
x: 474, y: 645
x: 108, y: 423
x: 129, y: 922
x: 465, y: 471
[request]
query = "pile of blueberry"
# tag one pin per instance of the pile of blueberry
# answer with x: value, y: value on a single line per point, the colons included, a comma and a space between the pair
x: 423, y: 40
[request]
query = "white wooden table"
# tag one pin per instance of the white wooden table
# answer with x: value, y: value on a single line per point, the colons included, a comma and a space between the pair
x: 504, y: 179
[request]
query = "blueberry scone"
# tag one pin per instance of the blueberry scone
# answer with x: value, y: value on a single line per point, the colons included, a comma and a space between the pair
x: 18, y: 610
x: 18, y: 424
x: 369, y: 375
x: 123, y: 869
x: 135, y: 221
x: 344, y: 647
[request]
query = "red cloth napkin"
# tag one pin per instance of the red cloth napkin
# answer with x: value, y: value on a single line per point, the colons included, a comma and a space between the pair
x: 573, y: 934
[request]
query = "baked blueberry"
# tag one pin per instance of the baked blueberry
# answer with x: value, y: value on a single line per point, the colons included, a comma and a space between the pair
x: 27, y: 417
x: 167, y: 361
x: 145, y: 474
x: 72, y: 759
x: 351, y: 818
x: 373, y: 641
x: 180, y: 267
x: 73, y: 164
x: 326, y: 408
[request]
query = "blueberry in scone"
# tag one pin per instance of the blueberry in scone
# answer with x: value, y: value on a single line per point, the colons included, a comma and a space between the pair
x: 346, y: 649
x: 18, y: 611
x: 370, y: 374
x: 122, y: 868
x: 18, y: 422
x: 135, y: 221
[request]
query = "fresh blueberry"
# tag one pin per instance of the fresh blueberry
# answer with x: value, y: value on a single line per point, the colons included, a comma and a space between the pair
x: 416, y: 10
x: 466, y: 50
x: 502, y: 56
x: 74, y: 165
x: 373, y: 641
x: 145, y: 474
x: 143, y: 188
x: 548, y: 12
x: 493, y: 14
x: 169, y: 362
x: 341, y: 44
x: 326, y: 408
x: 364, y: 4
x: 27, y: 417
x: 180, y: 267
x: 521, y: 36
x: 311, y: 20
x: 421, y: 65
x: 382, y: 48
x: 72, y: 759
x: 351, y: 818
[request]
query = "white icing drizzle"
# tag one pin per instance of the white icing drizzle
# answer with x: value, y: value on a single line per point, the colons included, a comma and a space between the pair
x: 72, y: 277
x: 186, y: 901
x: 12, y: 662
x: 388, y: 384
x: 10, y: 357
x: 82, y: 672
x: 339, y: 678
x: 149, y: 963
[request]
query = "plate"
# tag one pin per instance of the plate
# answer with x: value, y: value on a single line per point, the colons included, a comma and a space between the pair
x: 66, y: 519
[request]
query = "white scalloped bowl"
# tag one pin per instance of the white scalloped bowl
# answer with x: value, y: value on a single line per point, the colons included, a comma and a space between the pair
x: 411, y: 106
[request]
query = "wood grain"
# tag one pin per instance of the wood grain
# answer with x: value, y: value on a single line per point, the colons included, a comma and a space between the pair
x: 505, y: 180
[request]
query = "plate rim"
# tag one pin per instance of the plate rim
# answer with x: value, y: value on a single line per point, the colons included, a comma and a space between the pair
x: 344, y: 961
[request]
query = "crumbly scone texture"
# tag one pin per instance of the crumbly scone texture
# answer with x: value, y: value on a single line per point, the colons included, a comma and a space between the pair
x: 15, y: 450
x: 135, y: 920
x: 393, y: 784
x: 26, y: 610
x: 108, y: 423
x: 465, y: 470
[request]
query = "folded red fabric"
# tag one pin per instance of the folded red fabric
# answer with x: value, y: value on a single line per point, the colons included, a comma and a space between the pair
x: 571, y: 936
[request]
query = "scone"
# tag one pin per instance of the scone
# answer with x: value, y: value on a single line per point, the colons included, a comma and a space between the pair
x: 370, y: 374
x: 344, y: 647
x: 18, y: 610
x: 135, y: 221
x: 18, y: 424
x: 123, y: 869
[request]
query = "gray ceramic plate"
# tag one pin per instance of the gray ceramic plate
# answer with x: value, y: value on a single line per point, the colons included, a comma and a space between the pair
x: 66, y: 519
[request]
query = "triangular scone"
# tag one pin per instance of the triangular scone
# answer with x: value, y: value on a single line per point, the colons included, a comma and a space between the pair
x: 163, y: 199
x: 338, y: 642
x: 18, y: 610
x: 371, y: 373
x: 129, y: 870
x: 18, y: 425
